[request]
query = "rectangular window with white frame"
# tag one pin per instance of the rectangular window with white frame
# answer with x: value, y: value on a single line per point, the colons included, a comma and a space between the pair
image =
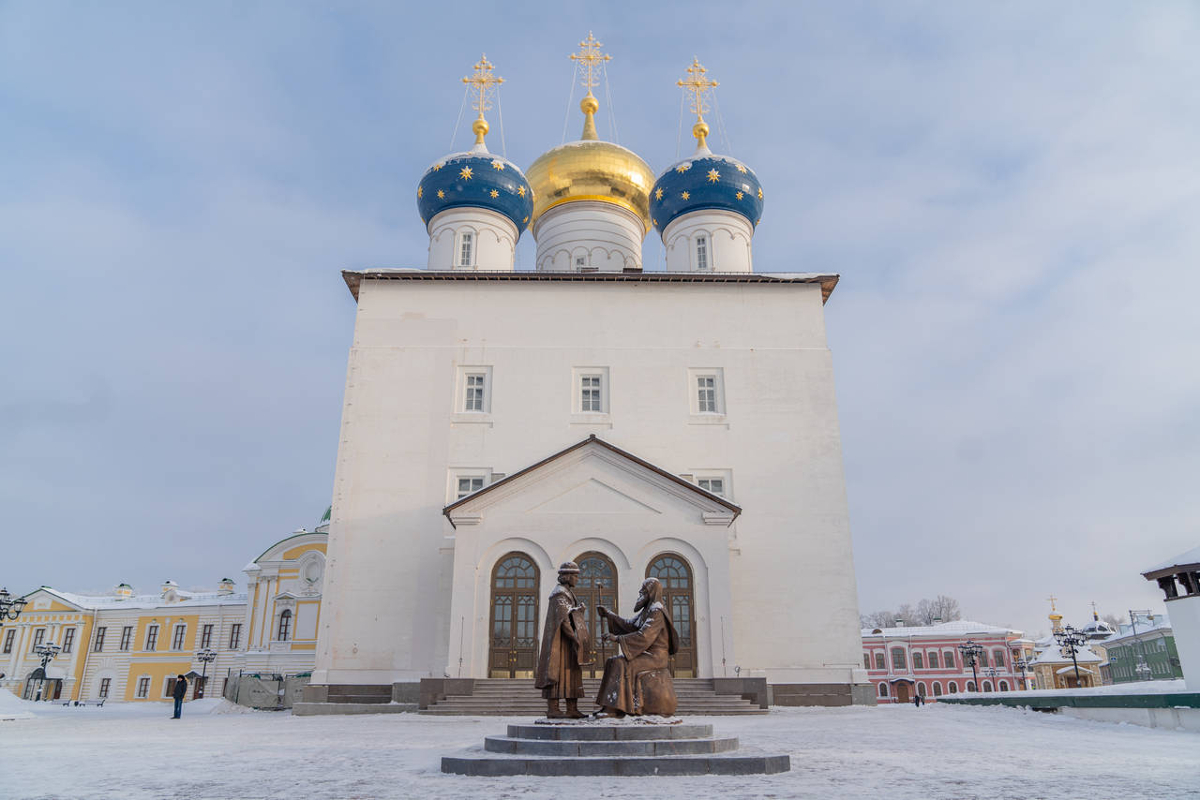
x: 466, y: 249
x: 473, y: 391
x: 467, y: 480
x: 590, y: 390
x: 105, y: 683
x: 706, y: 388
x: 143, y: 687
x: 702, y: 253
x: 716, y: 481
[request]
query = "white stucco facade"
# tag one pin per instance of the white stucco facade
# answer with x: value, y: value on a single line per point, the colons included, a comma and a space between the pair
x: 585, y: 234
x: 723, y: 237
x: 408, y: 582
x: 491, y: 240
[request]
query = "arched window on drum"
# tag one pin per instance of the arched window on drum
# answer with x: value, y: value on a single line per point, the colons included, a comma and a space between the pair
x: 676, y: 577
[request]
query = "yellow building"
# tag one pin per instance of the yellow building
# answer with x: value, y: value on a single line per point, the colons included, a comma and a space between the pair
x: 126, y: 646
x: 284, y: 586
x: 1053, y: 668
x: 120, y: 646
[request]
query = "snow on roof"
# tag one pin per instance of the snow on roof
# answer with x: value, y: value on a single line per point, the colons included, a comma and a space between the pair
x: 1161, y: 624
x: 1182, y: 560
x: 958, y: 628
x: 98, y: 602
x: 1054, y: 655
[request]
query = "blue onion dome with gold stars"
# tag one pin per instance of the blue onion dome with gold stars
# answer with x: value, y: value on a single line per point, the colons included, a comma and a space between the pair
x: 477, y: 178
x: 706, y: 181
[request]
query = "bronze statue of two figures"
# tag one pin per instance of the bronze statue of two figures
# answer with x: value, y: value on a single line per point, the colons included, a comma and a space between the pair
x: 636, y: 681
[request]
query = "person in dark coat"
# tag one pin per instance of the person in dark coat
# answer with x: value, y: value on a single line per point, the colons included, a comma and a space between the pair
x: 179, y: 693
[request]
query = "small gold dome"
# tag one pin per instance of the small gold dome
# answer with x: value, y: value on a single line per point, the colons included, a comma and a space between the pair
x: 590, y: 169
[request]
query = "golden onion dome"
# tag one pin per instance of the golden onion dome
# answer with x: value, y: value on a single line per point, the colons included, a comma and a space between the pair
x: 590, y: 169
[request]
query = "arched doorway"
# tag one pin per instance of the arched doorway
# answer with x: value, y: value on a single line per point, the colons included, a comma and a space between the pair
x: 679, y: 597
x: 514, y: 635
x: 902, y: 692
x: 597, y: 587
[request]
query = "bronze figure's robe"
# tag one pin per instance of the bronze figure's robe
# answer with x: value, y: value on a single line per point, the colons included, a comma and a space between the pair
x: 638, y: 681
x: 564, y: 645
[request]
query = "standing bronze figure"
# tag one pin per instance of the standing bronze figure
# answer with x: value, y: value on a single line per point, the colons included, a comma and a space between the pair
x: 638, y: 680
x: 565, y: 645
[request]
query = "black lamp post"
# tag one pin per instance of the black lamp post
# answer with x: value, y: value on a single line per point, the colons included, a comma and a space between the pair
x: 204, y: 657
x: 10, y: 607
x: 992, y: 672
x: 1142, y: 669
x: 971, y: 653
x: 1069, y: 642
x: 47, y: 652
x: 1022, y: 665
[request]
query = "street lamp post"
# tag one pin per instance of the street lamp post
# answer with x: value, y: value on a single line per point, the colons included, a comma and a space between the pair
x: 1022, y: 665
x: 970, y: 653
x: 47, y: 652
x: 10, y: 607
x: 1069, y: 641
x: 1142, y: 669
x: 992, y: 672
x: 204, y: 657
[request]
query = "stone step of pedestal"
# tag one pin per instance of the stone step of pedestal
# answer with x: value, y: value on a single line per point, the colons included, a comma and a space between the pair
x: 594, y: 748
x: 717, y: 764
x: 593, y: 732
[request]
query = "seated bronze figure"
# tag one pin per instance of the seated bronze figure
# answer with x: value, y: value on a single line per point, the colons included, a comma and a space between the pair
x: 638, y: 679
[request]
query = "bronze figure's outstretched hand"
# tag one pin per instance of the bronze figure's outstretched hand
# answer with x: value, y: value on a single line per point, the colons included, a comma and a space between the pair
x: 603, y: 612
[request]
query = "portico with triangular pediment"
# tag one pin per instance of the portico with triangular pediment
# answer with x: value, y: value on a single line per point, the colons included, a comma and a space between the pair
x: 591, y: 499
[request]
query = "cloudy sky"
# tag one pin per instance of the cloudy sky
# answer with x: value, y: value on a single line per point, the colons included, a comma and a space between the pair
x: 1011, y: 193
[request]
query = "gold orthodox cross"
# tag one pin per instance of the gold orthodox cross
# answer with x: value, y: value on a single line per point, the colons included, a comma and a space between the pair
x: 1052, y: 598
x: 590, y: 58
x: 698, y: 85
x: 483, y: 83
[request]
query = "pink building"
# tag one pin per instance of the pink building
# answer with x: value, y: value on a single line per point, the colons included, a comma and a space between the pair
x: 927, y: 660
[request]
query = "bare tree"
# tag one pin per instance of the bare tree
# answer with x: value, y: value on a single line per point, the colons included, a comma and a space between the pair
x: 878, y: 619
x: 941, y: 607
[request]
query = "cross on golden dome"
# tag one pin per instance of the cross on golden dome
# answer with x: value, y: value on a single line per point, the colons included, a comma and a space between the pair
x: 699, y: 85
x: 589, y: 58
x: 482, y: 84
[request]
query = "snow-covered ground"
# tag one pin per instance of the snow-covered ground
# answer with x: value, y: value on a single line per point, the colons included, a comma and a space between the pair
x: 135, y: 751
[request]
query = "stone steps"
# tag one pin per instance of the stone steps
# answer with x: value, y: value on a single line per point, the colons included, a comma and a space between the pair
x: 501, y: 697
x: 612, y: 749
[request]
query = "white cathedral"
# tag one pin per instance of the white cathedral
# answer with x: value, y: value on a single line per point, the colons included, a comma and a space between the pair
x: 679, y: 423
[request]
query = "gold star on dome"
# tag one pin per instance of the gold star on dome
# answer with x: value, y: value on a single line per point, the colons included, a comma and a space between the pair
x: 739, y: 195
x: 441, y: 195
x: 654, y: 221
x: 525, y: 220
x: 686, y: 196
x: 494, y: 194
x: 521, y: 191
x: 420, y: 192
x: 741, y: 169
x: 683, y: 167
x: 658, y: 193
x: 497, y: 164
x: 713, y: 176
x: 465, y: 172
x: 760, y: 194
x: 438, y: 165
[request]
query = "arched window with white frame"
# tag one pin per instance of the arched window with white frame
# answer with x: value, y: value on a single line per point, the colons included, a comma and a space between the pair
x: 285, y: 625
x: 883, y: 690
